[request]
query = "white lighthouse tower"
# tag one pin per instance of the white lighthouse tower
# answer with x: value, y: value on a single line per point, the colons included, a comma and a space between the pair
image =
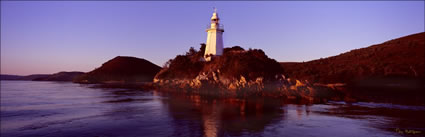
x: 215, y: 31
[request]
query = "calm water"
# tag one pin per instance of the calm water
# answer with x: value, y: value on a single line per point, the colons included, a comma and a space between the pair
x: 66, y: 109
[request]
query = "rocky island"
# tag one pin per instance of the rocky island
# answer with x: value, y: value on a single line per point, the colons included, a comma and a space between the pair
x: 236, y: 73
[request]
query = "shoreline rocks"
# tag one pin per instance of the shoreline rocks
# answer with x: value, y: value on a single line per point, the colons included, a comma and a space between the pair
x: 212, y: 84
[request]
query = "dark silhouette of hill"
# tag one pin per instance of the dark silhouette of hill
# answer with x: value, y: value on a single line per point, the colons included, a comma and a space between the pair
x: 121, y: 69
x: 9, y: 77
x: 28, y: 77
x: 392, y: 60
x: 60, y: 76
x: 34, y: 76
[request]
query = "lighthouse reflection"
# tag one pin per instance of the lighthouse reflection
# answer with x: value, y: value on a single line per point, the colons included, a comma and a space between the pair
x: 203, y: 116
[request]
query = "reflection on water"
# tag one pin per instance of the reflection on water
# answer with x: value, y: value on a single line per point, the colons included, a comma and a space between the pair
x: 223, y: 117
x: 67, y: 109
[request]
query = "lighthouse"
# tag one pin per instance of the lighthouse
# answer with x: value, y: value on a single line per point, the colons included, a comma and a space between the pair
x: 214, y: 46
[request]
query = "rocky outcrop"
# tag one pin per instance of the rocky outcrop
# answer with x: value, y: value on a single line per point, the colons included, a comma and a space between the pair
x: 212, y: 84
x: 238, y: 73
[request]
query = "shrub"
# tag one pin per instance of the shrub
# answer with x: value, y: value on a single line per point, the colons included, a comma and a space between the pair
x: 234, y: 62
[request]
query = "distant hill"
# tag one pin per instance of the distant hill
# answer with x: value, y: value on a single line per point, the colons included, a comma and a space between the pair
x: 121, y: 69
x: 60, y: 76
x: 398, y: 58
x: 9, y: 77
x: 17, y: 77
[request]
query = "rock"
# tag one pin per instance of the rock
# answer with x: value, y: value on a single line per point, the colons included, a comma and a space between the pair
x: 299, y: 84
x: 240, y: 74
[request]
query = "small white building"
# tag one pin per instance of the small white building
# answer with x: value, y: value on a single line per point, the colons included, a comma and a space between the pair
x: 214, y: 45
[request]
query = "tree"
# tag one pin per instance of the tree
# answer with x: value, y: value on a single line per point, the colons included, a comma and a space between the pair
x: 202, y: 49
x: 191, y: 51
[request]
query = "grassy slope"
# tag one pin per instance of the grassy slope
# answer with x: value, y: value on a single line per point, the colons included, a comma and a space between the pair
x: 402, y: 57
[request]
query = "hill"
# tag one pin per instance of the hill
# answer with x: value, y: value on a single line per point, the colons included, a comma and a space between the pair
x: 60, y: 76
x: 9, y: 77
x: 389, y: 72
x: 28, y: 77
x: 399, y: 58
x: 121, y: 69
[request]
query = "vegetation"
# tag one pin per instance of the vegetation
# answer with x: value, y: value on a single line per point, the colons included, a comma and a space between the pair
x: 403, y: 57
x: 234, y: 63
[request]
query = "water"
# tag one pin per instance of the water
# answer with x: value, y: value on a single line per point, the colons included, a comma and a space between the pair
x: 51, y: 109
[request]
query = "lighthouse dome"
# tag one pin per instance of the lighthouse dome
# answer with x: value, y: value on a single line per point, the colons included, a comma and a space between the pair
x: 214, y: 16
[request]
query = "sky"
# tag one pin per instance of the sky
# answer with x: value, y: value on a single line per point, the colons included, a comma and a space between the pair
x: 44, y: 37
